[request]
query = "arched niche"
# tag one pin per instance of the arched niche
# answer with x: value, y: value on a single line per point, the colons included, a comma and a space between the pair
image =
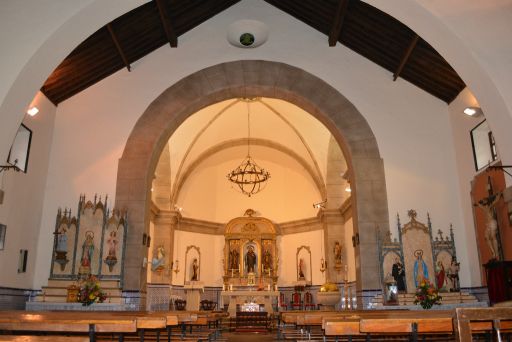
x: 251, y: 79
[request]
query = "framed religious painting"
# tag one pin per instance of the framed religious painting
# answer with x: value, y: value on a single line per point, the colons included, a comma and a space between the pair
x: 3, y: 229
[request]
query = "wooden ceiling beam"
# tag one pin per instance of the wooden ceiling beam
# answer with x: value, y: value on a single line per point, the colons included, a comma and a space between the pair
x: 118, y: 46
x: 169, y: 30
x: 337, y: 24
x: 406, y: 56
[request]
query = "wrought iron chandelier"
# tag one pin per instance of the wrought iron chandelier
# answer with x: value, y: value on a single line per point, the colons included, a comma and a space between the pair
x: 248, y: 176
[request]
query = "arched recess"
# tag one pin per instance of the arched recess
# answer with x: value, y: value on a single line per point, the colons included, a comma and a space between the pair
x: 251, y: 79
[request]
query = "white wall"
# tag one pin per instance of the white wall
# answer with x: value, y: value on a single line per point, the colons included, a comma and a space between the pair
x: 411, y: 127
x: 288, y: 196
x: 212, y: 254
x: 461, y: 126
x: 23, y: 201
x: 288, y: 245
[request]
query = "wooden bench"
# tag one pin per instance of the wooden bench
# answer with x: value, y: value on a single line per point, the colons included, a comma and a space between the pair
x: 494, y: 320
x: 19, y: 338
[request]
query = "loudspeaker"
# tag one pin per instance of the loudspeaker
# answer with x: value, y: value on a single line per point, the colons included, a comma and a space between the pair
x: 1, y: 196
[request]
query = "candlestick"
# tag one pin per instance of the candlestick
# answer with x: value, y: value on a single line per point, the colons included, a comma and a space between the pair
x: 232, y: 272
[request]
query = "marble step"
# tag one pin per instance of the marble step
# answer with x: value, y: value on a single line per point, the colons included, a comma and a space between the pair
x: 62, y: 299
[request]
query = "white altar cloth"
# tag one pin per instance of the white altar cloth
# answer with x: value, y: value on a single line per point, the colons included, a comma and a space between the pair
x: 248, y: 296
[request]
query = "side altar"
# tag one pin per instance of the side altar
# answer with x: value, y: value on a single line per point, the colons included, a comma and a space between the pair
x: 92, y: 243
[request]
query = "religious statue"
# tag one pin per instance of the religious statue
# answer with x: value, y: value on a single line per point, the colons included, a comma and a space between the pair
x: 440, y: 275
x: 420, y: 268
x: 250, y: 260
x: 234, y: 259
x: 158, y: 262
x: 337, y: 254
x: 62, y: 240
x: 453, y: 274
x: 267, y: 260
x: 398, y: 273
x: 301, y: 269
x: 491, y: 231
x: 195, y: 270
x: 112, y: 243
x: 87, y: 253
x: 61, y: 249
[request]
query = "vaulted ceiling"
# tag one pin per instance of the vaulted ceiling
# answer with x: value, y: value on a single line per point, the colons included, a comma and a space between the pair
x: 353, y: 23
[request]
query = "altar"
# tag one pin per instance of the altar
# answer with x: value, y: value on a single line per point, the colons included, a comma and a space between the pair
x: 241, y: 297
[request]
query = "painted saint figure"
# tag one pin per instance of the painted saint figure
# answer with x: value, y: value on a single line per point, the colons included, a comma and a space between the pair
x: 195, y: 270
x: 491, y: 231
x: 87, y: 253
x: 112, y: 242
x: 440, y: 275
x: 420, y: 268
x: 398, y: 273
x: 250, y: 260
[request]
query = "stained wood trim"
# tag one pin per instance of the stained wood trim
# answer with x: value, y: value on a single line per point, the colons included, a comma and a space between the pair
x: 118, y: 46
x: 169, y: 30
x: 406, y: 56
x: 338, y: 22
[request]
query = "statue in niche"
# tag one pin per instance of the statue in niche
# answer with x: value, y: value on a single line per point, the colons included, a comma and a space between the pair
x: 301, y: 269
x: 453, y: 274
x: 158, y: 262
x: 195, y: 270
x: 61, y: 249
x: 488, y: 205
x: 112, y: 243
x: 420, y: 268
x: 337, y: 254
x: 398, y: 273
x: 250, y: 259
x: 267, y: 260
x: 234, y: 259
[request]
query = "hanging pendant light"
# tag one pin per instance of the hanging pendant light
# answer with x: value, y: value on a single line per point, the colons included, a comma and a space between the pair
x: 248, y: 176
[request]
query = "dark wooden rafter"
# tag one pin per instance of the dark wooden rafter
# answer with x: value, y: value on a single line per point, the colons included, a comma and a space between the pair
x: 337, y: 23
x: 118, y: 46
x: 169, y: 30
x: 406, y: 56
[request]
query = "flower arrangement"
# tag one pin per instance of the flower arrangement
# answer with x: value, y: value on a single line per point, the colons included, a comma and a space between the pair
x: 90, y: 291
x: 427, y: 295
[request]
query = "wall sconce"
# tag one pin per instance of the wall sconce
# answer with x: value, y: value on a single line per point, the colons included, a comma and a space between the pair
x: 347, y: 188
x: 320, y: 204
x: 473, y: 111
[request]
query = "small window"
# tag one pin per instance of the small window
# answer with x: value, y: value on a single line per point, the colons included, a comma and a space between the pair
x: 484, y: 146
x: 18, y: 155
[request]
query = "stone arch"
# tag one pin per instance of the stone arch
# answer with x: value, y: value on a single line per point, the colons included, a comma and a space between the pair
x: 251, y: 79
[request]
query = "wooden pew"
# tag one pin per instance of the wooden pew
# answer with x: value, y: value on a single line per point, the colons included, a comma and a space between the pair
x: 10, y: 338
x: 496, y: 320
x: 71, y: 322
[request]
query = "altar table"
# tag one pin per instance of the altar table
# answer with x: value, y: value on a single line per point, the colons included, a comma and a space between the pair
x: 247, y: 296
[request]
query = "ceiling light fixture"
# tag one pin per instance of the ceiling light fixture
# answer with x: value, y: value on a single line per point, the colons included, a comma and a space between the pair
x: 248, y: 176
x: 473, y: 111
x: 32, y: 111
